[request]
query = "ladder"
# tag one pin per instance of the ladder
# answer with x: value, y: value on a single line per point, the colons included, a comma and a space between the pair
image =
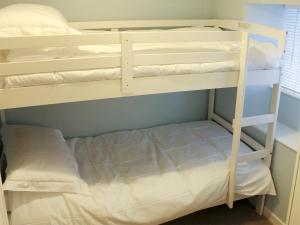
x: 262, y: 152
x: 239, y: 122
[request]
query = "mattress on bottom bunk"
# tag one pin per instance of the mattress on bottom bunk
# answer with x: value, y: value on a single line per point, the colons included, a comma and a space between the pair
x: 261, y: 56
x: 145, y: 177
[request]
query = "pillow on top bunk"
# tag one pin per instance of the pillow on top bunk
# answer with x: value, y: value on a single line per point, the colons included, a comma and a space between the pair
x: 32, y: 20
x: 38, y: 160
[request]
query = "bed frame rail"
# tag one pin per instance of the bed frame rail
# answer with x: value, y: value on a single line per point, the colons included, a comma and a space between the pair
x: 130, y: 24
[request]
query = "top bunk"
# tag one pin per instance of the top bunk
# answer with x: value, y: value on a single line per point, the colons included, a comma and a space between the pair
x: 109, y: 59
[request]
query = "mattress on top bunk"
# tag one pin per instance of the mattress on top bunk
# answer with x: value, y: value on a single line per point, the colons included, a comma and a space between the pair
x: 145, y: 177
x: 261, y: 56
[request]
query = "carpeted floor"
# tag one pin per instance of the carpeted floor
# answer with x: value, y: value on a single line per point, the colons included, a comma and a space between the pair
x: 242, y: 214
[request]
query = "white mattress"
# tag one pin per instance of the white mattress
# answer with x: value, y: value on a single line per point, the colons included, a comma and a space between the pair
x: 145, y: 177
x: 261, y: 56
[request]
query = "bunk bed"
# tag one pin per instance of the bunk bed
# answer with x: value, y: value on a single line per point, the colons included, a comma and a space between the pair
x: 129, y: 50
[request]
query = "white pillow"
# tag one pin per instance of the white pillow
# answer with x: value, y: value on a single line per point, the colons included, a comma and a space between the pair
x: 38, y: 160
x: 32, y: 20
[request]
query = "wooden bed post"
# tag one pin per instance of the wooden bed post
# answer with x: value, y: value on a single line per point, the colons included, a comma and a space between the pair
x: 270, y: 139
x: 276, y: 90
x: 211, y: 104
x: 3, y: 210
x: 3, y: 117
x: 237, y: 122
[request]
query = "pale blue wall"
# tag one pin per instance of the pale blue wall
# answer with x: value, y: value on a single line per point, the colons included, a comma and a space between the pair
x: 289, y: 111
x: 257, y: 102
x: 96, y: 117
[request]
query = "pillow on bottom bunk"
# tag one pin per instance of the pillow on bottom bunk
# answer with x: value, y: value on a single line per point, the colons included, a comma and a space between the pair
x: 38, y: 160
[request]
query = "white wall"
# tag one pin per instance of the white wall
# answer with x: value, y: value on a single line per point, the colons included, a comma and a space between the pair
x: 126, y: 9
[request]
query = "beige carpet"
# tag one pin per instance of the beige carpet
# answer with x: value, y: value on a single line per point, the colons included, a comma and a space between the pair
x: 242, y: 214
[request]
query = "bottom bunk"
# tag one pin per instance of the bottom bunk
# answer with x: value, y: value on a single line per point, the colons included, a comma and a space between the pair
x: 147, y: 176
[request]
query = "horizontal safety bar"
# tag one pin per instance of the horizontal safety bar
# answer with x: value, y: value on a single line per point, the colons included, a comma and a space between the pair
x: 184, y: 36
x: 251, y: 156
x: 115, y: 38
x: 181, y: 58
x: 185, y: 82
x: 15, y: 68
x: 60, y: 40
x: 117, y: 24
x: 227, y: 24
x: 257, y: 120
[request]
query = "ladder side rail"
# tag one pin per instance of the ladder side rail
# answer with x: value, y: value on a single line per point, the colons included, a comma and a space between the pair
x: 270, y: 138
x: 239, y: 111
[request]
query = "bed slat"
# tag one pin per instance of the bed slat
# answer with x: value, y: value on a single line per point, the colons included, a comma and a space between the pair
x: 60, y: 40
x: 185, y: 36
x: 257, y: 120
x: 252, y: 156
x: 183, y: 58
x: 14, y: 68
x: 119, y: 24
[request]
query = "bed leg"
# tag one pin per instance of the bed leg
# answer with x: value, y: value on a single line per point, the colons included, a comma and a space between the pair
x: 276, y: 90
x: 3, y: 117
x: 260, y: 205
x: 211, y: 103
x: 3, y: 211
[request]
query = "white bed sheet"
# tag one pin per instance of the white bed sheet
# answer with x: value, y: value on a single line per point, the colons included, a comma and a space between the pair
x: 261, y: 56
x: 145, y: 177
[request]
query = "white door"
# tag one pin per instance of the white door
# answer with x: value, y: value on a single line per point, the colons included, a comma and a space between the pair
x: 295, y: 214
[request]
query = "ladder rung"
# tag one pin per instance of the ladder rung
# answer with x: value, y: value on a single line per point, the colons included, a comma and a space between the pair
x: 257, y: 120
x: 255, y: 155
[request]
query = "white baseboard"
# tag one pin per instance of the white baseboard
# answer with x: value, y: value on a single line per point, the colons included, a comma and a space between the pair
x: 272, y: 217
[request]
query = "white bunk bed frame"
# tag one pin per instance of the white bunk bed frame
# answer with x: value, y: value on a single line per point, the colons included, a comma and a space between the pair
x: 129, y: 86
